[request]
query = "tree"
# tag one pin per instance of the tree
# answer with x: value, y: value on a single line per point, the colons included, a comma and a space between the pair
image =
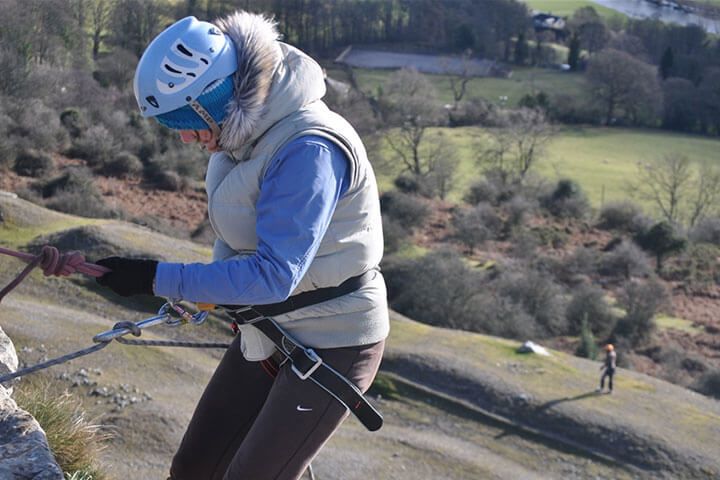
x: 517, y: 145
x: 100, y: 11
x: 409, y: 104
x: 661, y: 240
x: 521, y: 50
x: 641, y: 301
x: 624, y: 85
x: 683, y: 193
x: 682, y: 105
x: 475, y: 225
x: 574, y: 52
x: 458, y: 83
x: 666, y: 63
x: 587, y: 348
x: 590, y: 28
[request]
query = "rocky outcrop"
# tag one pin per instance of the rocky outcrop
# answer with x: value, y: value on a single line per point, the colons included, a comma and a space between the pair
x: 24, y: 451
x: 8, y: 358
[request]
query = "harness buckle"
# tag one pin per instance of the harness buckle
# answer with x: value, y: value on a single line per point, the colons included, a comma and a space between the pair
x: 309, y: 354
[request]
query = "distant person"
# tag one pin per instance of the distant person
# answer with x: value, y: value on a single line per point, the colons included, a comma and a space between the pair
x: 293, y: 201
x: 608, y: 367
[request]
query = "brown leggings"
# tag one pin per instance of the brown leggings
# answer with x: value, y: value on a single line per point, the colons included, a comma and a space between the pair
x: 251, y: 424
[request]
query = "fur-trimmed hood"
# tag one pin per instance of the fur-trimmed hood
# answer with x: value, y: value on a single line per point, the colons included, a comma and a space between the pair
x: 272, y: 81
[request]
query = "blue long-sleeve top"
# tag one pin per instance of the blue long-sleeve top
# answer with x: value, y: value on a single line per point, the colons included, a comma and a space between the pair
x: 298, y: 196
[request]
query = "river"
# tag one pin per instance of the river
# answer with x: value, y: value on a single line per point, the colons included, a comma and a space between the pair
x: 644, y: 9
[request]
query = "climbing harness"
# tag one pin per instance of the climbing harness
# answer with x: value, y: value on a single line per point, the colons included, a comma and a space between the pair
x: 304, y: 362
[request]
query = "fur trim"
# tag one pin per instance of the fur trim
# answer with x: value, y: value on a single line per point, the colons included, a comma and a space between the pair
x: 255, y: 38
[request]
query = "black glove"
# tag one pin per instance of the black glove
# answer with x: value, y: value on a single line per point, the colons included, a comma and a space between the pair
x: 129, y: 276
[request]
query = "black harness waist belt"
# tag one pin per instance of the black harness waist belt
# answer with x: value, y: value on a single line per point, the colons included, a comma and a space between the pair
x: 247, y: 314
x: 305, y: 363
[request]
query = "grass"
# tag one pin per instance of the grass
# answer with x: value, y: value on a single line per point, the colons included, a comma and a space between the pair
x: 523, y: 81
x: 665, y: 322
x: 603, y: 160
x: 74, y: 440
x: 567, y: 7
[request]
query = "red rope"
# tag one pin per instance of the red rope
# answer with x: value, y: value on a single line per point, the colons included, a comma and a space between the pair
x: 52, y: 262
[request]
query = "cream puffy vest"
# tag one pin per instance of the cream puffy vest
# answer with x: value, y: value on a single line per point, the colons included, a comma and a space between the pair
x: 353, y: 243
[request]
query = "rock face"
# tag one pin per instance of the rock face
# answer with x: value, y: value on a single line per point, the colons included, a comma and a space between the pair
x: 24, y: 451
x: 8, y: 358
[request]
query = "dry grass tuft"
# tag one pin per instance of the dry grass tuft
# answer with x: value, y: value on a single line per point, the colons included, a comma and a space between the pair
x: 75, y: 440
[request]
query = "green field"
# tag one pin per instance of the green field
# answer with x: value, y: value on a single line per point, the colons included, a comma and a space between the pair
x: 522, y: 81
x: 603, y: 160
x: 567, y: 7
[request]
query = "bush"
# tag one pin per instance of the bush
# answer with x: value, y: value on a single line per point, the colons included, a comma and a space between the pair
x: 73, y: 121
x: 709, y: 384
x: 33, y: 163
x: 124, y: 164
x: 475, y: 111
x: 539, y: 296
x: 433, y: 289
x: 408, y: 210
x: 641, y: 302
x: 186, y: 162
x: 566, y: 108
x: 661, y: 240
x: 707, y: 231
x: 394, y: 235
x: 495, y: 188
x: 626, y: 260
x: 78, y: 203
x: 498, y: 315
x: 698, y: 265
x: 96, y: 146
x: 74, y: 192
x: 517, y: 209
x: 475, y: 225
x: 166, y: 180
x: 587, y: 348
x: 582, y: 262
x: 482, y: 191
x: 567, y: 200
x: 39, y: 126
x: 625, y: 216
x: 550, y: 235
x: 76, y: 179
x: 588, y: 306
x: 407, y: 184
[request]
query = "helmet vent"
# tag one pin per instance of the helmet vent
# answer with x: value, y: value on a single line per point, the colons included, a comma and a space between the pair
x: 184, y: 50
x: 152, y: 101
x: 171, y: 69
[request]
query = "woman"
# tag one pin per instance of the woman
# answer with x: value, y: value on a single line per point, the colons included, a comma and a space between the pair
x: 294, y: 203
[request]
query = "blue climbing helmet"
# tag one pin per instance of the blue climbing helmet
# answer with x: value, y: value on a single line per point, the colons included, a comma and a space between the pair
x: 184, y: 77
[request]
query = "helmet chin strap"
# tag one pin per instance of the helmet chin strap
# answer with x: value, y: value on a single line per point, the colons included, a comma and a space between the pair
x: 205, y: 115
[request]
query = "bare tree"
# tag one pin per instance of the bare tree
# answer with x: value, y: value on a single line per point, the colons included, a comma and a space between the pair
x: 442, y: 161
x: 518, y: 144
x: 665, y: 183
x: 99, y: 20
x: 705, y: 196
x: 458, y: 83
x: 682, y: 192
x: 409, y: 103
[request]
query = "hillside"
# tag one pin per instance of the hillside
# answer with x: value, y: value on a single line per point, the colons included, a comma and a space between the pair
x: 446, y: 394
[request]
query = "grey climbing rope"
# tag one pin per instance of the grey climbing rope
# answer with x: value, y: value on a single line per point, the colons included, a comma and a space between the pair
x: 118, y: 332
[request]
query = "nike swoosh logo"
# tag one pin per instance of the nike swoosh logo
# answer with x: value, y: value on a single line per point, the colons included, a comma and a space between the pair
x: 303, y: 409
